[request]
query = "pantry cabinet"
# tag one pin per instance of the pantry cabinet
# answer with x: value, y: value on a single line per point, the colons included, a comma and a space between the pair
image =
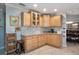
x: 56, y: 21
x: 46, y: 20
x: 26, y: 17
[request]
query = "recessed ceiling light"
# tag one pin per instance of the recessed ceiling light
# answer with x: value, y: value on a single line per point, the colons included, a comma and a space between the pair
x: 55, y: 10
x: 35, y: 5
x: 44, y: 10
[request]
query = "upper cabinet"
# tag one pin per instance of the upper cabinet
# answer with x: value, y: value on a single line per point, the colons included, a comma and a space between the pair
x: 26, y: 19
x: 35, y: 19
x: 41, y: 21
x: 56, y: 21
x: 30, y: 18
x: 46, y: 20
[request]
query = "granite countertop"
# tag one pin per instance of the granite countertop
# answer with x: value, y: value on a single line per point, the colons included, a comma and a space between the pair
x: 42, y: 34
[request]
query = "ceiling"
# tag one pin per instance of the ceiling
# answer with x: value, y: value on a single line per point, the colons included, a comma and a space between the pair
x: 68, y: 8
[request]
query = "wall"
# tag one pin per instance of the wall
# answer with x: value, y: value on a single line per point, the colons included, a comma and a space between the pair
x: 74, y: 18
x: 2, y: 29
x: 13, y: 10
x: 63, y: 30
x: 31, y: 30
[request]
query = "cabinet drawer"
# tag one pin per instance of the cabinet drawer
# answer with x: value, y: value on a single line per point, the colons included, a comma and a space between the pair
x: 11, y: 47
x: 28, y: 41
x: 28, y: 48
x: 34, y: 45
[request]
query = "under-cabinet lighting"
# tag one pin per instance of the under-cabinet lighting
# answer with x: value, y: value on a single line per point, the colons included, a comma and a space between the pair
x: 69, y: 22
x: 75, y: 24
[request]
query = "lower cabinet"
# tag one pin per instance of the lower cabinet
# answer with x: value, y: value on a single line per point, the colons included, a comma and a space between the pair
x: 33, y: 42
x: 27, y: 44
x: 55, y: 40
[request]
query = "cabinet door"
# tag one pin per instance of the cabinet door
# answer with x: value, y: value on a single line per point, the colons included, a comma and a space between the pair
x: 46, y: 19
x: 26, y: 19
x: 56, y: 40
x: 41, y: 41
x: 33, y: 18
x: 28, y: 44
x: 34, y: 42
x: 37, y: 19
x: 41, y: 21
x: 56, y: 21
x: 49, y: 39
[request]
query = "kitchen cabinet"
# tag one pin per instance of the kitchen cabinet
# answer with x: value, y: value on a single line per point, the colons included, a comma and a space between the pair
x: 11, y: 43
x: 41, y: 21
x: 49, y: 39
x: 35, y: 18
x: 56, y: 40
x: 41, y: 40
x: 30, y: 18
x: 33, y: 42
x: 27, y: 43
x: 30, y: 43
x: 56, y: 21
x: 26, y: 17
x: 46, y: 20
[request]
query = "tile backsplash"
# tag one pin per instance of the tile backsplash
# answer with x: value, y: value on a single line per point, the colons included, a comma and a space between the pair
x: 37, y: 30
x: 31, y: 30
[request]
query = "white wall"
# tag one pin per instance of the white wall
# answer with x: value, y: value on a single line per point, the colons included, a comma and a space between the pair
x: 13, y: 10
x: 64, y: 43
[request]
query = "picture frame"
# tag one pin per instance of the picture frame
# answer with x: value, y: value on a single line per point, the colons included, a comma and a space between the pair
x: 14, y: 21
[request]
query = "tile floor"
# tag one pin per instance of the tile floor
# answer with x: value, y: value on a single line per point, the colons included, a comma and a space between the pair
x: 72, y: 49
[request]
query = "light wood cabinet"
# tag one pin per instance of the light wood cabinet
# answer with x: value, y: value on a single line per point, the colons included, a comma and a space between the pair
x: 49, y: 40
x: 56, y: 21
x: 30, y: 43
x: 56, y: 40
x: 35, y: 18
x: 11, y: 43
x: 41, y: 21
x: 26, y: 17
x: 33, y: 42
x: 46, y: 20
x: 27, y: 44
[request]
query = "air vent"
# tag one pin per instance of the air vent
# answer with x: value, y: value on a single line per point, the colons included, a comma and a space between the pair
x: 21, y: 4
